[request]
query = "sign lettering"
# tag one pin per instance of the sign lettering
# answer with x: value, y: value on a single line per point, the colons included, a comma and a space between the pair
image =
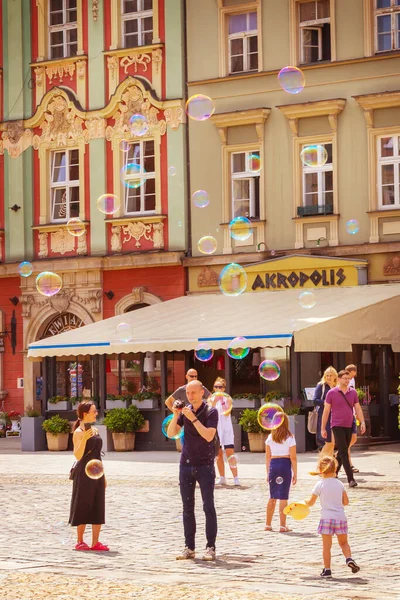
x: 280, y: 281
x: 61, y: 323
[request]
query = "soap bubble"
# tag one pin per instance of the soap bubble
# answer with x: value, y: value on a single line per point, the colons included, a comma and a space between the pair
x: 269, y: 370
x: 139, y: 125
x: 76, y: 227
x: 233, y: 280
x: 204, y: 352
x: 108, y: 204
x: 352, y: 226
x: 307, y: 300
x: 63, y: 532
x: 225, y: 401
x: 124, y: 332
x: 255, y: 163
x: 201, y: 199
x: 238, y: 348
x: 270, y: 416
x: 180, y: 224
x: 233, y: 460
x: 132, y: 176
x: 48, y: 283
x: 292, y: 80
x: 94, y: 469
x: 240, y: 228
x: 172, y: 171
x: 314, y: 156
x: 200, y: 107
x: 164, y: 428
x: 279, y: 480
x: 125, y: 145
x: 207, y: 244
x: 25, y: 268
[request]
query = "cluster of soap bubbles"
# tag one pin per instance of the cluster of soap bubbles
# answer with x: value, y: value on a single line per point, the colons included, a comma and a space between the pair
x: 47, y: 283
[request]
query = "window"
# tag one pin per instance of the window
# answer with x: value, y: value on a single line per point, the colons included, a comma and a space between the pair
x: 315, y: 31
x: 64, y: 185
x: 63, y: 28
x: 243, y: 42
x: 137, y: 23
x: 245, y: 186
x: 318, y: 187
x: 387, y: 25
x: 140, y: 184
x: 389, y: 172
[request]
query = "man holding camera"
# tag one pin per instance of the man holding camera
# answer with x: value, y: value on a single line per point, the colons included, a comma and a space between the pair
x: 180, y: 393
x: 197, y: 465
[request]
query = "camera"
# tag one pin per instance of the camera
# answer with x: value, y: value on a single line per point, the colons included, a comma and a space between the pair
x: 179, y: 404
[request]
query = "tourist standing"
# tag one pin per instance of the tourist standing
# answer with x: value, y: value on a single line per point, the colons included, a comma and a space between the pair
x: 180, y: 393
x: 328, y: 381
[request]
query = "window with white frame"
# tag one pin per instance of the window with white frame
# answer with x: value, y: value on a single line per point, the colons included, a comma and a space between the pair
x: 64, y: 185
x: 245, y: 185
x: 139, y: 179
x: 137, y: 23
x: 389, y: 172
x: 243, y: 42
x: 387, y: 25
x: 318, y: 185
x: 63, y: 28
x: 315, y: 31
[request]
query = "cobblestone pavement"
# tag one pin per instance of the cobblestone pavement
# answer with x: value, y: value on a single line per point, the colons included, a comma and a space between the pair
x: 144, y: 532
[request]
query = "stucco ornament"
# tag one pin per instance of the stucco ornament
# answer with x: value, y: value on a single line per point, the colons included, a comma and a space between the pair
x: 62, y: 242
x: 61, y: 125
x: 43, y: 245
x: 158, y: 235
x: 61, y: 301
x: 136, y: 230
x: 15, y: 139
x: 116, y: 242
x: 135, y: 59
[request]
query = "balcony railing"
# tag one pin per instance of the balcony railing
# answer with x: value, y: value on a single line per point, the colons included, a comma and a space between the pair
x: 308, y: 211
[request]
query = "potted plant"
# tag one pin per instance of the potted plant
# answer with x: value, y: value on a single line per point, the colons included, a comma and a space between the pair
x: 3, y: 424
x: 15, y: 420
x: 297, y: 422
x: 146, y: 399
x: 256, y: 434
x: 123, y: 423
x: 364, y: 399
x: 59, y: 403
x: 275, y: 398
x: 117, y: 401
x: 33, y: 435
x: 57, y: 433
x: 245, y: 400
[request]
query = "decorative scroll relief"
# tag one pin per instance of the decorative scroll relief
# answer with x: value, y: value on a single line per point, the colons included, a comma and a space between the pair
x: 61, y: 242
x: 116, y: 242
x: 133, y: 102
x: 61, y: 70
x: 95, y: 10
x: 61, y: 125
x: 157, y: 59
x: 135, y: 59
x: 61, y: 302
x: 137, y: 230
x: 174, y: 117
x: 15, y: 139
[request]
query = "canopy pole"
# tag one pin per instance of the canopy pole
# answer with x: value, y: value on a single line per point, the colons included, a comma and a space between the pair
x: 228, y: 373
x: 164, y: 380
x: 45, y: 385
x: 295, y: 384
x: 102, y: 384
x: 119, y: 375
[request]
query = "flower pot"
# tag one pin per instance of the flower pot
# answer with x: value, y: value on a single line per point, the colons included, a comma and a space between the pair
x: 57, y: 441
x: 115, y: 404
x: 257, y: 441
x: 149, y: 404
x: 243, y: 403
x: 64, y: 405
x: 123, y: 442
x: 363, y: 441
x: 297, y: 425
x: 33, y: 436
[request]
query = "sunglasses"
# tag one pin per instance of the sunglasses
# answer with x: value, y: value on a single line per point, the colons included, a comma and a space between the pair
x: 193, y: 376
x: 219, y: 387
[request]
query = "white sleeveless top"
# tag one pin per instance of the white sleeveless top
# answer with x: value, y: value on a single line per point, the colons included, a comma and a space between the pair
x: 225, y: 427
x: 280, y: 449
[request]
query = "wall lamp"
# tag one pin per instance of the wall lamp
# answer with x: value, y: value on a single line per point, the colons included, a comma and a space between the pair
x: 321, y: 239
x: 15, y: 208
x: 14, y: 300
x: 110, y: 295
x: 259, y: 246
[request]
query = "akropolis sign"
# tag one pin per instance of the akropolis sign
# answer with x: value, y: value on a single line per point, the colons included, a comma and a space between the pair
x: 277, y: 280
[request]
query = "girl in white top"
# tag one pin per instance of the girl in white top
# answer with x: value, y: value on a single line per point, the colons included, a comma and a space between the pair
x: 281, y: 463
x: 223, y: 404
x: 333, y: 499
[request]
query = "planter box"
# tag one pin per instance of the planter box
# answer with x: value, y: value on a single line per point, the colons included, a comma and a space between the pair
x: 33, y: 436
x: 146, y: 404
x: 123, y: 442
x: 57, y: 442
x: 297, y: 425
x: 363, y: 441
x: 59, y: 406
x: 116, y: 404
x: 244, y: 403
x: 257, y: 441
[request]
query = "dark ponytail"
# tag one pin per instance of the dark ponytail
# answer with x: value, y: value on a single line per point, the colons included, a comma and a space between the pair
x: 83, y: 408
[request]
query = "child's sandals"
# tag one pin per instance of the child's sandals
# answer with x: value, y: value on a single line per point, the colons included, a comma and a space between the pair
x: 268, y: 528
x: 284, y: 529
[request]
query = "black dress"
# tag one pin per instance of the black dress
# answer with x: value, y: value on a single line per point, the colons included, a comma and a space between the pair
x: 88, y: 495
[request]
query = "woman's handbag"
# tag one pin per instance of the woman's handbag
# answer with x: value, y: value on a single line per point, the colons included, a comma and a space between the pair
x: 312, y: 420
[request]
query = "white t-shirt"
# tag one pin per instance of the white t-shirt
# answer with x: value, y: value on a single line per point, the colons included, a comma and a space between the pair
x: 330, y: 492
x: 352, y: 383
x: 280, y: 449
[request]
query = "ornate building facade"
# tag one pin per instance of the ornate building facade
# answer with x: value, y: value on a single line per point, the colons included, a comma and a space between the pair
x: 72, y: 74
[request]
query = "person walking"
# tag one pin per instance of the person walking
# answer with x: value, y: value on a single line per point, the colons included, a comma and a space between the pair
x: 88, y: 495
x: 281, y: 464
x: 197, y: 466
x: 352, y: 369
x: 223, y: 404
x: 340, y: 403
x: 328, y: 381
x: 333, y: 499
x: 180, y: 393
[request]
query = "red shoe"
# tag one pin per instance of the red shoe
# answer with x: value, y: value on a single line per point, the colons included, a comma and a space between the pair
x: 82, y: 546
x: 99, y: 547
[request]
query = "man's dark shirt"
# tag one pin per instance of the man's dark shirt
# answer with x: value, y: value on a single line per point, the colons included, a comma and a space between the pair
x: 196, y: 450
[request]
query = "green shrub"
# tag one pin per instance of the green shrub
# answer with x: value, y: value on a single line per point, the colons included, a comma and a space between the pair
x: 32, y: 412
x: 56, y: 425
x: 57, y: 399
x: 114, y: 397
x: 274, y: 396
x: 124, y: 420
x: 248, y: 421
x: 292, y: 407
x: 247, y: 396
x: 140, y: 396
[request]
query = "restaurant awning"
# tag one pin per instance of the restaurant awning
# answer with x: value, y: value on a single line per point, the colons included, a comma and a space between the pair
x: 367, y: 314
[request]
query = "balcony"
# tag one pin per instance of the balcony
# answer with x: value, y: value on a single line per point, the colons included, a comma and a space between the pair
x: 311, y: 211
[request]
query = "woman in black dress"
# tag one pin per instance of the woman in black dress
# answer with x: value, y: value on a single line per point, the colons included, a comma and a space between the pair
x: 328, y: 381
x: 88, y: 495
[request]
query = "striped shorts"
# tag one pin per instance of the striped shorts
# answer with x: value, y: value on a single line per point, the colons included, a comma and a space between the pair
x: 332, y: 527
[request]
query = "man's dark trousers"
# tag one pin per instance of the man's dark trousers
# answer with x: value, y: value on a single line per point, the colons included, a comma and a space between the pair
x: 342, y: 443
x: 205, y: 476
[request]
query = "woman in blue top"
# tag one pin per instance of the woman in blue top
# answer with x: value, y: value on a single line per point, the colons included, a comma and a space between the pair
x: 329, y: 380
